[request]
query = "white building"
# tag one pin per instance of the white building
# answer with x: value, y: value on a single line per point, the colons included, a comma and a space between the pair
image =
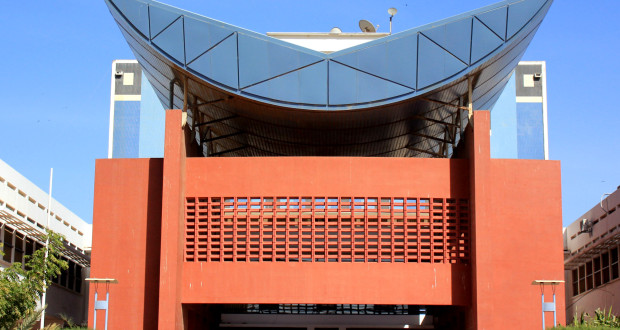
x: 23, y: 217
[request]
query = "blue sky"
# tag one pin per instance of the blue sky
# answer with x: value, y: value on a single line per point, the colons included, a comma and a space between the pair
x: 57, y: 57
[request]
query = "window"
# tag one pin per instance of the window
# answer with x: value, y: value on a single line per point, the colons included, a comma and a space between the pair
x: 7, y: 241
x: 605, y: 271
x: 63, y: 275
x: 78, y: 278
x: 575, y: 277
x: 71, y: 275
x: 582, y: 278
x: 614, y: 263
x: 19, y: 248
x: 597, y: 272
x: 589, y: 276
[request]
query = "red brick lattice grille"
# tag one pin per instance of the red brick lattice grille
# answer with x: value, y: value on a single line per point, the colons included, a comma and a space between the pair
x: 327, y: 229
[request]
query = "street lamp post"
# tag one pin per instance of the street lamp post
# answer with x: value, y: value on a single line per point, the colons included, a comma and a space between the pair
x: 548, y: 306
x: 102, y: 304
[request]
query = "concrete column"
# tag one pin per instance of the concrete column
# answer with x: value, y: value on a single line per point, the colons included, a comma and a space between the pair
x: 173, y: 194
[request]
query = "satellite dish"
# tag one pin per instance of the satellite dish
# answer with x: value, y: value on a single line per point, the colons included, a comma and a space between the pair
x: 335, y: 30
x: 367, y: 27
x: 392, y: 11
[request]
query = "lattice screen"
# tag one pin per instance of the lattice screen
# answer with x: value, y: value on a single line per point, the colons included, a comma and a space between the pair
x: 327, y: 229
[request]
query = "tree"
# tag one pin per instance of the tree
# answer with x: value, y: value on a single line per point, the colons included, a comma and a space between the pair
x: 21, y: 289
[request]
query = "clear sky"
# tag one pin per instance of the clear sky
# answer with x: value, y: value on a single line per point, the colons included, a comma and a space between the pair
x: 57, y: 55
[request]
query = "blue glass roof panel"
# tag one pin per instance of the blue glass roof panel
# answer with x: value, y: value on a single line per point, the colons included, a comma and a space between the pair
x: 201, y: 35
x: 170, y: 41
x: 454, y: 37
x: 439, y: 58
x: 435, y: 64
x: 136, y: 12
x: 350, y: 86
x: 160, y: 18
x: 484, y: 42
x: 217, y: 64
x: 520, y: 13
x: 395, y: 61
x: 306, y: 86
x: 260, y: 60
x: 495, y: 20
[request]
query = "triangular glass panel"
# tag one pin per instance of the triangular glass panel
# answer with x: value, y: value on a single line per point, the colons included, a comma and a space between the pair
x: 201, y: 35
x: 304, y: 86
x: 520, y: 13
x: 348, y: 86
x: 170, y: 41
x: 435, y: 64
x: 136, y: 12
x: 261, y: 59
x: 484, y: 42
x: 161, y: 17
x: 495, y: 20
x: 220, y: 63
x: 395, y: 60
x: 454, y: 37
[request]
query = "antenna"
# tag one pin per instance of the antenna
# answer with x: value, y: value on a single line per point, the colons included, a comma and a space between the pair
x: 392, y: 12
x: 335, y: 30
x: 367, y: 27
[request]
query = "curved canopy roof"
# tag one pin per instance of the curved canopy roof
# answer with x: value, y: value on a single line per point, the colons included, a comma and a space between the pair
x: 249, y: 94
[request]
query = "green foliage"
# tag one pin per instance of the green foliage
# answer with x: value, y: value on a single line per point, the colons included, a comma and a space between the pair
x: 20, y: 289
x: 605, y: 319
x: 67, y: 320
x: 582, y: 327
x: 580, y: 319
x: 602, y: 320
x: 29, y: 321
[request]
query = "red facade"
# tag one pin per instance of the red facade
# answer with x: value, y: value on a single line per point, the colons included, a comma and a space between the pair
x: 184, y: 232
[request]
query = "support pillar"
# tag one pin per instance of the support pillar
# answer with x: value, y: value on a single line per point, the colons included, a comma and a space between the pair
x: 171, y: 257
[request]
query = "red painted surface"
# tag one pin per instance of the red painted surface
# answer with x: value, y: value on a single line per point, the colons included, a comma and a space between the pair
x: 173, y: 209
x: 327, y: 176
x: 326, y: 283
x: 126, y: 229
x: 517, y: 236
x: 516, y: 232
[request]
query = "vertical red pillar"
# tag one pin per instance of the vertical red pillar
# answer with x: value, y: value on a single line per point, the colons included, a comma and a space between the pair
x: 479, y: 153
x: 171, y: 261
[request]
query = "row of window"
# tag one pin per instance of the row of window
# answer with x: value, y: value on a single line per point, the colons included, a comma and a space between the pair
x: 39, y: 205
x: 596, y: 272
x: 16, y: 246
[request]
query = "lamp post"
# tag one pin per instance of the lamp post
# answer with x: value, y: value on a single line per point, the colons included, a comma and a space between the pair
x: 47, y: 250
x: 392, y: 12
x: 547, y: 306
x: 102, y: 304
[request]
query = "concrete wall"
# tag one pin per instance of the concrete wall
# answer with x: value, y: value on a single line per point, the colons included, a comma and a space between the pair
x: 516, y: 215
x: 127, y: 215
x: 583, y: 247
x: 27, y: 202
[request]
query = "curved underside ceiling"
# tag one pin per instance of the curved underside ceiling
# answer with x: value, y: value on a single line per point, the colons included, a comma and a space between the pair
x: 403, y: 95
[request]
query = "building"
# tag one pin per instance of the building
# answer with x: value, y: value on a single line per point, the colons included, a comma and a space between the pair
x: 328, y: 188
x: 519, y: 118
x: 23, y: 217
x: 518, y: 121
x: 136, y: 115
x: 591, y: 259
